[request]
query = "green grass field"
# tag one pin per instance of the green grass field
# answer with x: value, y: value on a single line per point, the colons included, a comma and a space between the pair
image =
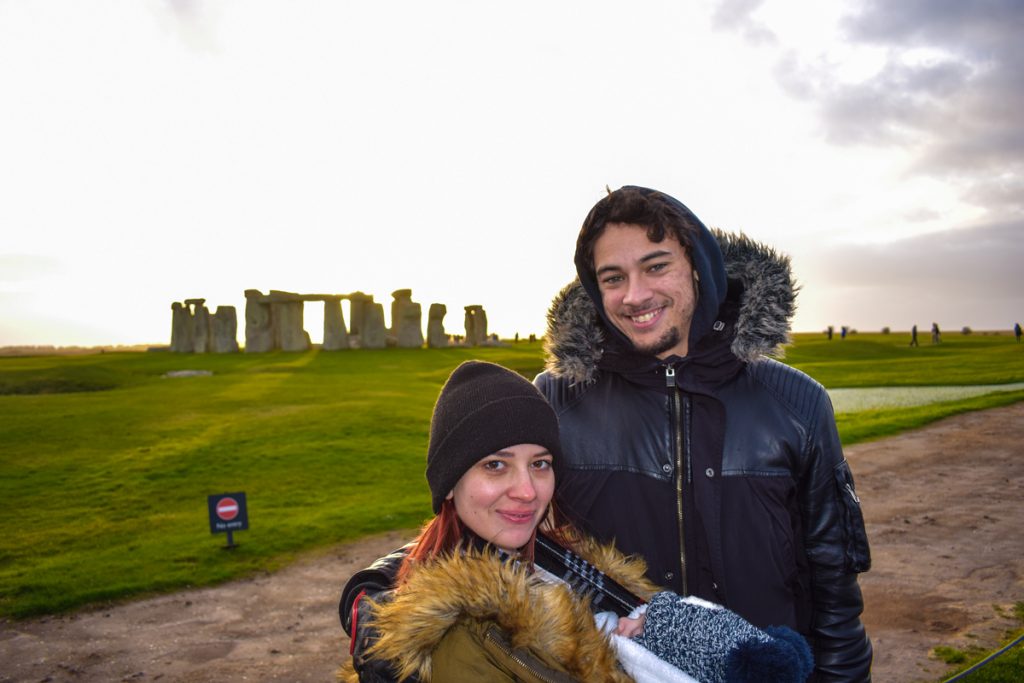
x: 105, y: 465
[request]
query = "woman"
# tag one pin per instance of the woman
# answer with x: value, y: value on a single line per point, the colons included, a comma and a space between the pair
x: 470, y: 603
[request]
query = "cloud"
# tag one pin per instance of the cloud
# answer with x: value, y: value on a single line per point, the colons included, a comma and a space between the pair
x: 737, y: 15
x: 191, y: 21
x: 948, y: 88
x: 973, y: 262
x: 961, y: 277
x: 922, y: 215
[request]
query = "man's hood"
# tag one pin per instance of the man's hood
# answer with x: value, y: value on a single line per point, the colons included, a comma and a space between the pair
x: 579, y: 334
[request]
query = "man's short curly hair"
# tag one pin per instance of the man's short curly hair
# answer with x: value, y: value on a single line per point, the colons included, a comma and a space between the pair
x: 648, y: 208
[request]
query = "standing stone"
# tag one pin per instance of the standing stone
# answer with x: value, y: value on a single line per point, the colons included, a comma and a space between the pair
x: 476, y: 325
x: 286, y: 311
x: 224, y: 330
x: 399, y: 299
x: 374, y: 333
x: 358, y: 303
x: 481, y: 324
x: 181, y: 328
x: 410, y: 334
x: 436, y: 337
x: 335, y: 336
x: 470, y: 323
x: 406, y: 320
x: 259, y: 333
x: 200, y: 326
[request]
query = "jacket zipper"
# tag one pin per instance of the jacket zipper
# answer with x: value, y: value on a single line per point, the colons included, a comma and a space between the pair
x: 670, y: 382
x: 853, y: 494
x: 500, y: 643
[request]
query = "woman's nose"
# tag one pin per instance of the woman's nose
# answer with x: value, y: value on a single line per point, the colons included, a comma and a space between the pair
x: 522, y: 488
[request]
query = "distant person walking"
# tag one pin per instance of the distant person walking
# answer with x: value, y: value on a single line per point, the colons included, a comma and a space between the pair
x: 913, y: 335
x: 936, y: 335
x: 1016, y: 331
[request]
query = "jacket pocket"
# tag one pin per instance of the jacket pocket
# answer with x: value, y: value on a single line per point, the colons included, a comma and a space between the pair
x: 858, y: 554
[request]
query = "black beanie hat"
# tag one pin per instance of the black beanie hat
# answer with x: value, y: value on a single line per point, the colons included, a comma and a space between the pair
x: 483, y: 408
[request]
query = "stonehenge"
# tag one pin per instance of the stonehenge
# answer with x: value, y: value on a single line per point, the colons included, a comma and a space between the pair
x: 274, y: 322
x: 194, y: 330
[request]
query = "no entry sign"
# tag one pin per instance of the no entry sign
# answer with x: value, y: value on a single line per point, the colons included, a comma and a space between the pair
x: 228, y: 513
x: 227, y: 509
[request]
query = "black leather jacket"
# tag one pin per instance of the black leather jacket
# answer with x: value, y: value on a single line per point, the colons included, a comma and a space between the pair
x: 722, y: 469
x: 376, y: 581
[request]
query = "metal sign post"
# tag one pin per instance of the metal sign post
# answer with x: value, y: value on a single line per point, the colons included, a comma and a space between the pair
x: 228, y: 513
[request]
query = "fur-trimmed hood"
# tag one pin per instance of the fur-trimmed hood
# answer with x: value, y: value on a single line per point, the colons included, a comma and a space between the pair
x: 478, y: 586
x: 755, y: 314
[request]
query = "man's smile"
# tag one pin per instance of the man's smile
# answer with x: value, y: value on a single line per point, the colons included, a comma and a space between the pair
x: 646, y: 318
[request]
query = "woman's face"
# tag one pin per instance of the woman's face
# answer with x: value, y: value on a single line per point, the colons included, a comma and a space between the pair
x: 505, y: 495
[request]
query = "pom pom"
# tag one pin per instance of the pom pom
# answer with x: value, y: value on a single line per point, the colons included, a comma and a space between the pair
x: 784, y: 658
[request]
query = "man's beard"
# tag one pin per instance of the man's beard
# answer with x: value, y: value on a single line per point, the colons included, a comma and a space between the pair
x: 668, y: 341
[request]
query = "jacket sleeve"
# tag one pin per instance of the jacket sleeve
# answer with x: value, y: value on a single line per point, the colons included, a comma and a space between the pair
x: 837, y: 550
x: 376, y: 582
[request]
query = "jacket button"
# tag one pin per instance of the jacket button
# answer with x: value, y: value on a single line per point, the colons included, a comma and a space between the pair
x: 669, y: 576
x: 666, y: 468
x: 710, y: 472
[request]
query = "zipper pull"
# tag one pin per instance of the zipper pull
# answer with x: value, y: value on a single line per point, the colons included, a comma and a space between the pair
x: 670, y: 376
x: 849, y: 489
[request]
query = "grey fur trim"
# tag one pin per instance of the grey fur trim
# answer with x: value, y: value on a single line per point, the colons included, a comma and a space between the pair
x: 574, y: 341
x: 575, y: 338
x: 769, y: 295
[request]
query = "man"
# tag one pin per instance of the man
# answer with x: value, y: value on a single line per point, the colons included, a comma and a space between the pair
x: 685, y: 444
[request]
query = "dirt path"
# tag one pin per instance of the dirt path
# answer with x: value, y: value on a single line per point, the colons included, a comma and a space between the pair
x: 944, y: 511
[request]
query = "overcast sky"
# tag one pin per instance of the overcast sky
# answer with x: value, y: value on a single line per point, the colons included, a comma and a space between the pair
x: 156, y: 151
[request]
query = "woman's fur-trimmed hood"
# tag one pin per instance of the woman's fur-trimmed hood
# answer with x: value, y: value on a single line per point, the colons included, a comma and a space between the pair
x: 478, y: 586
x: 576, y: 336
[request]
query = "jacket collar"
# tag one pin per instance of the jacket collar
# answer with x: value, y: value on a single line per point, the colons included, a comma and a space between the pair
x: 752, y: 319
x: 480, y: 587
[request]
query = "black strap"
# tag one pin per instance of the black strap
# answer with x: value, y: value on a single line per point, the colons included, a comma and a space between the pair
x: 584, y: 578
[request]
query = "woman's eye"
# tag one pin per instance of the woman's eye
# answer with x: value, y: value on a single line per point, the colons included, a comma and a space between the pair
x: 494, y: 465
x: 542, y: 464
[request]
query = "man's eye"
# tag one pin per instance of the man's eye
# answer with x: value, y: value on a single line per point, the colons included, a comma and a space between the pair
x: 611, y: 280
x: 657, y: 267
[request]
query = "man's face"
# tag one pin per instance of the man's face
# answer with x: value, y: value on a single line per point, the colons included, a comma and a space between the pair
x: 646, y: 288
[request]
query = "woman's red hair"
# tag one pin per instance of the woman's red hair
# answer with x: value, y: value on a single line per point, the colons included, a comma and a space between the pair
x: 445, y: 532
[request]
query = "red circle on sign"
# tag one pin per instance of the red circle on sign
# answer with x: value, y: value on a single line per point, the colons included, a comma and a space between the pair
x: 227, y: 509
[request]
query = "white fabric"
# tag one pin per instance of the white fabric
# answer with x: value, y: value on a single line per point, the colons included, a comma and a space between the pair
x: 693, y: 600
x: 639, y: 662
